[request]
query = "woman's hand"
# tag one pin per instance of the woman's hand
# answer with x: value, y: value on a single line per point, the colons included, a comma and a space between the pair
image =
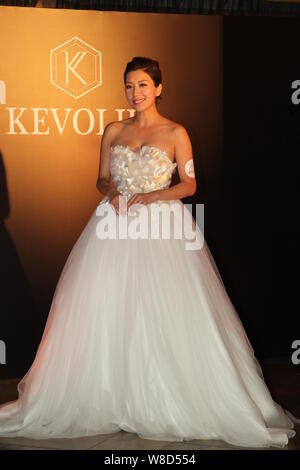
x: 143, y: 198
x: 138, y: 198
x: 114, y: 195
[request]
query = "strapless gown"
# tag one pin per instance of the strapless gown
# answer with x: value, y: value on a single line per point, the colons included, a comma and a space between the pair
x: 142, y: 336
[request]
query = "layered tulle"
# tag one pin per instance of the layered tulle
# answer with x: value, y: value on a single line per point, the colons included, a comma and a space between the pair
x: 142, y: 336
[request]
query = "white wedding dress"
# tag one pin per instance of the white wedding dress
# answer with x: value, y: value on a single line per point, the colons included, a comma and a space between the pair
x: 142, y: 336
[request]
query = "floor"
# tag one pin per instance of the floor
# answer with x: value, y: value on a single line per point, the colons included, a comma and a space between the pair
x: 281, y: 376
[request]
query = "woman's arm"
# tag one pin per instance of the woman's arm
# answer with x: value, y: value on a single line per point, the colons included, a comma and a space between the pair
x: 103, y: 182
x: 185, y: 164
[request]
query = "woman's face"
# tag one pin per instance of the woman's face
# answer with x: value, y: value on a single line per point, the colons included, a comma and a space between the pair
x: 140, y: 90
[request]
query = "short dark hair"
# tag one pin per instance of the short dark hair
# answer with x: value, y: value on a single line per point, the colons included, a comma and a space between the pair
x: 150, y: 66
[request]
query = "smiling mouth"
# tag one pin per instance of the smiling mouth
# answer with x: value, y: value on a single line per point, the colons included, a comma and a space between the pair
x: 137, y: 101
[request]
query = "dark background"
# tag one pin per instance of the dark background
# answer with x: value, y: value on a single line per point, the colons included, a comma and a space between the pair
x: 261, y: 152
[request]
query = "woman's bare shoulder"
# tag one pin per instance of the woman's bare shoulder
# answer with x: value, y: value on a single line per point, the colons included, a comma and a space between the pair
x: 177, y: 130
x: 112, y: 129
x: 178, y: 126
x: 113, y: 126
x: 173, y: 125
x: 118, y: 126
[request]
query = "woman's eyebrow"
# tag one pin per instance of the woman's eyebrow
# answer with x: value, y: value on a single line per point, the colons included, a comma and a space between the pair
x: 138, y: 81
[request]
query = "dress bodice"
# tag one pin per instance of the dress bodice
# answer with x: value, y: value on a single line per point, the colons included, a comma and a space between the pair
x: 140, y: 171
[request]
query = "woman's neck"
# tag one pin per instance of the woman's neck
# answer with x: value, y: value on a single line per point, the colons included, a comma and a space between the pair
x: 147, y: 118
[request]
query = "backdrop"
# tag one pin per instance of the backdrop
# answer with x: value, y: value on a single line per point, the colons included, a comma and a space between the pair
x: 61, y: 77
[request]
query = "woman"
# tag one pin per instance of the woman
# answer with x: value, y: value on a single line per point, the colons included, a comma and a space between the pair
x: 141, y: 335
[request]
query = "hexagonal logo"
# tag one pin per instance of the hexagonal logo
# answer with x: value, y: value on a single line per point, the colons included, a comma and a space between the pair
x: 75, y: 67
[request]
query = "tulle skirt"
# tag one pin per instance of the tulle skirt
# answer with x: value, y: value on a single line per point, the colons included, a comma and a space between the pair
x: 142, y: 337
